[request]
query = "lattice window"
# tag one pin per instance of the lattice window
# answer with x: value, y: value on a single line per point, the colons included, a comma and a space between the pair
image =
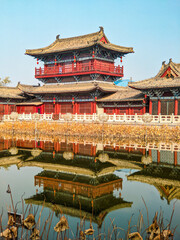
x: 154, y: 107
x: 137, y: 111
x: 11, y: 108
x: 167, y: 107
x: 49, y: 108
x: 28, y: 109
x: 85, y: 149
x: 1, y: 109
x: 121, y: 111
x: 154, y: 155
x: 48, y: 146
x: 178, y: 158
x: 66, y: 108
x: 66, y: 147
x: 167, y: 157
x: 170, y: 107
x: 85, y: 108
x: 109, y: 110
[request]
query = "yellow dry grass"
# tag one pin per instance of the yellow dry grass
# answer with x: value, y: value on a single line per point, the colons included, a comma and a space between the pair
x: 91, y: 130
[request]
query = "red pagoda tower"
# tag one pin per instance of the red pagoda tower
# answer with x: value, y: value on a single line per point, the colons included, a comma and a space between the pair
x: 77, y: 71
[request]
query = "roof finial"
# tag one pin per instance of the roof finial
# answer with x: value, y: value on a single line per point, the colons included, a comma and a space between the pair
x: 101, y: 29
x: 163, y: 63
x: 170, y: 60
x: 57, y: 37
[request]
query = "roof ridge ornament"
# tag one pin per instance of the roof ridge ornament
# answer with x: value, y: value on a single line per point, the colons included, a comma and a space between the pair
x: 57, y: 37
x: 101, y: 29
x: 163, y: 63
x: 170, y: 60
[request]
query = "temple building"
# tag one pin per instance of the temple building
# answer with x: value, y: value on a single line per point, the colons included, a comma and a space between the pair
x: 78, y: 72
x: 78, y: 76
x: 163, y: 90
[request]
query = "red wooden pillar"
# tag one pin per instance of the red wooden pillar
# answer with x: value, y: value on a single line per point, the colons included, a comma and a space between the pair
x: 144, y: 107
x: 116, y: 111
x: 94, y: 107
x: 6, y: 109
x: 42, y: 108
x: 150, y: 106
x: 159, y: 106
x: 144, y: 151
x: 76, y: 148
x: 158, y: 156
x: 176, y: 107
x: 55, y: 108
x: 6, y: 144
x: 74, y: 108
x: 150, y: 152
x: 130, y: 111
x: 175, y: 158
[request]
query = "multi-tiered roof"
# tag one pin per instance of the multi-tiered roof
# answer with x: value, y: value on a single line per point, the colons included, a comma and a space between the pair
x: 83, y: 58
x: 79, y: 42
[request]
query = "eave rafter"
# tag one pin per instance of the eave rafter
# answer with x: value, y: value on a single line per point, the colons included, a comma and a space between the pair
x: 106, y: 77
x: 77, y: 78
x: 59, y: 79
x: 154, y: 93
x: 95, y: 93
x: 94, y: 76
x: 159, y: 93
x: 175, y: 92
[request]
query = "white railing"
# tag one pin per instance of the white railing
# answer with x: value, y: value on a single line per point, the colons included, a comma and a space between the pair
x: 156, y: 119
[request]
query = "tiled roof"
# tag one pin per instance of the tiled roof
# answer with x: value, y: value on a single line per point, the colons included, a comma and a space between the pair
x: 158, y: 81
x: 80, y: 42
x: 69, y: 88
x: 125, y: 94
x: 174, y: 66
x: 11, y: 92
x: 34, y: 102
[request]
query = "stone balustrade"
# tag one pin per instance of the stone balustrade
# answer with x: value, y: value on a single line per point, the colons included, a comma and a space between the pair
x: 129, y: 119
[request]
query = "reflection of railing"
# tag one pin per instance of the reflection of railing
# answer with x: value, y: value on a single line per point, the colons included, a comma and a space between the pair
x: 156, y: 119
x: 79, y: 68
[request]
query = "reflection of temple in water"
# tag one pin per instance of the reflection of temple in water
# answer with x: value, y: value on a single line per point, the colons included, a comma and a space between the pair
x: 82, y: 159
x: 164, y: 178
x: 71, y: 193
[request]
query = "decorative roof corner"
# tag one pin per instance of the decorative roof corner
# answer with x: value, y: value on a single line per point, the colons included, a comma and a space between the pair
x: 57, y: 37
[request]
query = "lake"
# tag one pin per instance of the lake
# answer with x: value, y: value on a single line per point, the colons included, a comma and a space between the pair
x: 100, y: 183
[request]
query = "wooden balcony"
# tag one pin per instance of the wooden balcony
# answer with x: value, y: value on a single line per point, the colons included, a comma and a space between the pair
x: 79, y: 69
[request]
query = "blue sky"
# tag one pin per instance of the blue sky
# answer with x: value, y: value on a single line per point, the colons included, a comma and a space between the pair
x: 151, y: 27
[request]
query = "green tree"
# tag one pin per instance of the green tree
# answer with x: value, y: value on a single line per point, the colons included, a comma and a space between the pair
x: 5, y: 81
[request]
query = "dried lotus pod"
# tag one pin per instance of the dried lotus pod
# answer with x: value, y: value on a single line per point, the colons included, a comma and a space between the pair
x: 11, y: 221
x: 9, y: 233
x: 89, y: 231
x: 135, y: 236
x: 35, y: 234
x: 62, y: 225
x: 29, y: 222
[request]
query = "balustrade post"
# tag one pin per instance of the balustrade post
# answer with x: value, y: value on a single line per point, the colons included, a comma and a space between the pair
x: 75, y: 117
x: 84, y: 116
x: 23, y: 116
x: 159, y: 118
x: 172, y: 118
x: 114, y: 117
x: 135, y: 117
x: 125, y: 117
x: 30, y: 117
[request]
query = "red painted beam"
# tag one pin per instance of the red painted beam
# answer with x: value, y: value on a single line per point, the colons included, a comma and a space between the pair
x: 79, y: 73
